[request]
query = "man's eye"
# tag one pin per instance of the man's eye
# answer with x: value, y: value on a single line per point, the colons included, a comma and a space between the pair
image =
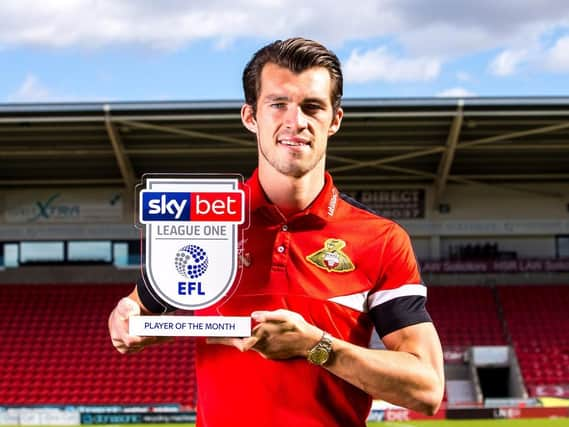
x: 312, y: 107
x: 278, y: 105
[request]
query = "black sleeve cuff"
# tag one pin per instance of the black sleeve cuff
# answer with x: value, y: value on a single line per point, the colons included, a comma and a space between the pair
x: 150, y: 300
x: 399, y: 313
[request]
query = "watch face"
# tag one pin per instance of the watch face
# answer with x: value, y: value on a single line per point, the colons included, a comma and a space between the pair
x: 319, y: 356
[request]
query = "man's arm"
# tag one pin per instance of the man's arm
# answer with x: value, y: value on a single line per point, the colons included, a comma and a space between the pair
x: 409, y: 372
x: 118, y: 325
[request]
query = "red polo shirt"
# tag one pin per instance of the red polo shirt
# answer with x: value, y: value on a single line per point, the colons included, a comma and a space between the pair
x: 342, y: 267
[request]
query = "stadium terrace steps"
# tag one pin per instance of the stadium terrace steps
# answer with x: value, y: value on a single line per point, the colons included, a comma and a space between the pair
x: 55, y: 349
x: 536, y: 321
x: 460, y: 392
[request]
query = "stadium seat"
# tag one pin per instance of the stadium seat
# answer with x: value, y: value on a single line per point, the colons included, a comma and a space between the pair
x: 465, y: 315
x: 56, y: 350
x: 536, y: 318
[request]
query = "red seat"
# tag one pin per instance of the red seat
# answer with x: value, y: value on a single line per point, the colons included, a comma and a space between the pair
x: 537, y: 321
x: 58, y: 351
x: 465, y: 315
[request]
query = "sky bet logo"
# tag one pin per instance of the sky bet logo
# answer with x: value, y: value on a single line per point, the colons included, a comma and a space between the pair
x: 194, y: 206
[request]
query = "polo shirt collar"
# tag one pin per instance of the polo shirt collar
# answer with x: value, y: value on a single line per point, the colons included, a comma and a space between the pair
x: 322, y: 207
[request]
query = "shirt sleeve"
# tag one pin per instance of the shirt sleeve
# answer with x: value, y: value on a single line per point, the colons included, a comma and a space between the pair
x: 149, y: 299
x: 399, y: 297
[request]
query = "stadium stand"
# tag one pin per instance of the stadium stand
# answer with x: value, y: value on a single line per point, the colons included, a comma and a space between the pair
x: 55, y: 349
x: 537, y: 322
x: 456, y: 309
x: 531, y: 318
x: 480, y: 184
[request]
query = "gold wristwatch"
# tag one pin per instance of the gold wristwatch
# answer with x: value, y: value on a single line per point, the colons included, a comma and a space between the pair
x: 322, y: 351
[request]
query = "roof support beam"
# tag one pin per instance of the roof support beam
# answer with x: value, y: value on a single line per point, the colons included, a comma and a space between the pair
x: 378, y: 164
x: 515, y: 135
x: 190, y: 133
x: 124, y: 163
x: 448, y: 157
x: 520, y: 176
x: 53, y: 182
x: 461, y: 180
x: 524, y: 147
x: 32, y: 153
x: 435, y: 150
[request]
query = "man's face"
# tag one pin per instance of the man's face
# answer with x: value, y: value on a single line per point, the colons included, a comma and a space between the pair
x: 294, y: 119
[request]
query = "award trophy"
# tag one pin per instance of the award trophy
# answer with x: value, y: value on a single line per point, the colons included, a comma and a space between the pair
x: 192, y: 229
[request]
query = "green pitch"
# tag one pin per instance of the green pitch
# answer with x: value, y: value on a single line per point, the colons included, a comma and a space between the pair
x: 559, y: 422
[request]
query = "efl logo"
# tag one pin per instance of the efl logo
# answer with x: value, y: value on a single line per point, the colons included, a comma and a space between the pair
x: 194, y: 206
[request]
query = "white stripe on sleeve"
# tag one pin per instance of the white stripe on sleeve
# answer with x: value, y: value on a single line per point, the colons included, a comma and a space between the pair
x: 380, y: 297
x: 354, y: 301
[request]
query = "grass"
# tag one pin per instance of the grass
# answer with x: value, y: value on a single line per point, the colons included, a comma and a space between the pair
x: 534, y: 422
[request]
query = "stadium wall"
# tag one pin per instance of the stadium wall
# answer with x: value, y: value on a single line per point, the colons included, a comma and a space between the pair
x: 525, y: 220
x: 68, y: 274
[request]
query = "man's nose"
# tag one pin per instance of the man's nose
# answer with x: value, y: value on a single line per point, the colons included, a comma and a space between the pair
x: 296, y: 118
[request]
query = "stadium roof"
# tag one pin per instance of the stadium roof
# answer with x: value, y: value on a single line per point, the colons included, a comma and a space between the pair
x: 407, y: 142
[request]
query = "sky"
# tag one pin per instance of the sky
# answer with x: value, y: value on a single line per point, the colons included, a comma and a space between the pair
x: 164, y: 50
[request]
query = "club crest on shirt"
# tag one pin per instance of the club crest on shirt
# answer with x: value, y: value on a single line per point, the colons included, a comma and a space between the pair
x: 331, y: 257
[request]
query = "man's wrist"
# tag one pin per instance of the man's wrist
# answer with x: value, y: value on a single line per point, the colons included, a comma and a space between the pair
x: 322, y: 352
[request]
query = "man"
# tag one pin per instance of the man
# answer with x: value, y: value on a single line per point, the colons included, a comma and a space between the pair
x: 319, y: 271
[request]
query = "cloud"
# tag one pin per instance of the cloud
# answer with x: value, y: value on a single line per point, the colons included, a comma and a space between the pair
x: 557, y: 57
x: 507, y: 62
x: 170, y: 24
x: 423, y: 36
x: 160, y: 25
x: 450, y: 28
x: 536, y: 56
x: 421, y: 28
x: 379, y: 64
x: 446, y: 40
x: 456, y: 92
x: 31, y: 90
x: 463, y: 76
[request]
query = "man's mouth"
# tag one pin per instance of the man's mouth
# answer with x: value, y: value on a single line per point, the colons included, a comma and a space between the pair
x: 294, y: 142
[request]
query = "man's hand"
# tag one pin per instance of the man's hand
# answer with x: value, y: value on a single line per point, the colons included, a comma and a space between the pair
x: 118, y: 328
x: 279, y: 334
x: 283, y: 334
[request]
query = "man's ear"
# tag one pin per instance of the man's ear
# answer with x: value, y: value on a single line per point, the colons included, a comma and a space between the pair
x: 336, y: 121
x: 248, y: 118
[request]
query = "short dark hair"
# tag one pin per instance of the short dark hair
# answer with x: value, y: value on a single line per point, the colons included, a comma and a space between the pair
x: 297, y: 54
